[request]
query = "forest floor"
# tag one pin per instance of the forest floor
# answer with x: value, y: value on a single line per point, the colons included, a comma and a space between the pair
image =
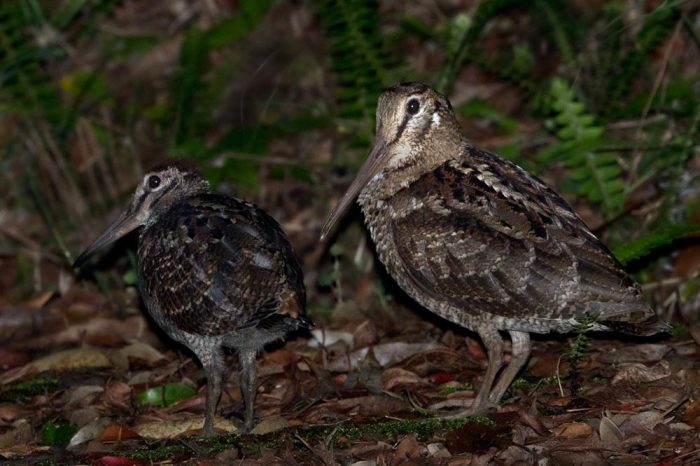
x: 86, y: 385
x: 87, y: 378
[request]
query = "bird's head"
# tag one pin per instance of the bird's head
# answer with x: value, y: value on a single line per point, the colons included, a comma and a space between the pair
x: 159, y: 189
x: 409, y: 116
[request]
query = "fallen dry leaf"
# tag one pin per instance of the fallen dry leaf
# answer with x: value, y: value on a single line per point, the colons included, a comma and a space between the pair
x: 438, y: 450
x: 19, y: 432
x: 639, y: 422
x: 408, y: 448
x: 608, y: 431
x: 23, y: 450
x: 117, y: 433
x: 13, y: 358
x: 694, y: 330
x: 534, y: 422
x: 365, y: 334
x: 282, y: 357
x: 141, y: 351
x: 269, y: 425
x: 476, y: 350
x: 386, y: 354
x: 117, y: 395
x: 88, y: 432
x: 40, y: 300
x: 639, y: 373
x: 641, y: 352
x: 82, y: 395
x: 572, y: 430
x: 174, y: 427
x: 396, y: 376
x: 82, y: 416
x: 116, y: 461
x: 691, y: 415
x: 67, y: 360
x: 98, y: 331
x: 9, y: 412
x: 325, y: 337
x: 480, y: 438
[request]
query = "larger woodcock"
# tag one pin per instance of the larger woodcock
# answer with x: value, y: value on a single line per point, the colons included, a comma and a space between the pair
x: 479, y: 241
x: 214, y: 272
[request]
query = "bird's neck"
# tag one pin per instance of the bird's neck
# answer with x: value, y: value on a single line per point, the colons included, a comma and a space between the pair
x: 425, y: 155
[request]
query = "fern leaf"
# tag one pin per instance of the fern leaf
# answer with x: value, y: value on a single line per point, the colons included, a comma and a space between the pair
x: 463, y: 35
x: 656, y: 28
x: 642, y: 247
x: 596, y: 175
x: 358, y: 54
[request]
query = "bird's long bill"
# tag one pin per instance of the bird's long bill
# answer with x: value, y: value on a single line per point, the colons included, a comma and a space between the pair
x: 370, y: 168
x: 126, y: 222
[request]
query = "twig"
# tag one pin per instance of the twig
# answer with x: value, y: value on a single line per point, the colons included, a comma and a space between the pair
x: 561, y: 389
x: 655, y: 89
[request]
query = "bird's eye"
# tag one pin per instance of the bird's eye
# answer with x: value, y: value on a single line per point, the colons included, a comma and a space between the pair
x: 154, y: 181
x: 413, y: 106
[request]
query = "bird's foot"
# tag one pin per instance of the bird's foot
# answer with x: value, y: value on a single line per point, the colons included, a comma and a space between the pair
x: 243, y: 425
x: 219, y: 426
x: 472, y: 408
x: 207, y: 429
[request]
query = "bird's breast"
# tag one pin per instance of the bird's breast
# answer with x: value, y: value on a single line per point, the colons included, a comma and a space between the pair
x: 379, y: 215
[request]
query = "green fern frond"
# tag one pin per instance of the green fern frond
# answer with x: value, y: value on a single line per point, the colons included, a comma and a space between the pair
x: 578, y: 348
x: 359, y: 58
x: 656, y: 28
x: 462, y: 34
x: 559, y: 25
x: 645, y: 245
x: 27, y: 87
x: 596, y: 175
x: 191, y: 100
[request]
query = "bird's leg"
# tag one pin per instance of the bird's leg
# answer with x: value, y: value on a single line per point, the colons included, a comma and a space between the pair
x: 248, y: 387
x: 213, y: 366
x: 519, y: 356
x: 494, y: 349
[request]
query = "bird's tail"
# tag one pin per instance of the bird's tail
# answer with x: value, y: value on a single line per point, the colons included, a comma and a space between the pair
x: 305, y: 322
x: 647, y: 327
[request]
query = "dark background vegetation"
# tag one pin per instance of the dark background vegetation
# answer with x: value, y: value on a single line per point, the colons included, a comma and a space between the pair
x: 274, y: 101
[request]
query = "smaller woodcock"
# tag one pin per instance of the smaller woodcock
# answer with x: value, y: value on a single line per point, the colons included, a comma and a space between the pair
x: 479, y: 241
x: 214, y: 272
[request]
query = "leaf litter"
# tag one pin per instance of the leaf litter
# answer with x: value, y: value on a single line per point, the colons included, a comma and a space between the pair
x: 335, y: 400
x: 85, y: 378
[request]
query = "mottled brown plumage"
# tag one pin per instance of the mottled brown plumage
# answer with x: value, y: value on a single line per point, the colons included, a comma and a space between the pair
x: 479, y: 241
x: 214, y: 272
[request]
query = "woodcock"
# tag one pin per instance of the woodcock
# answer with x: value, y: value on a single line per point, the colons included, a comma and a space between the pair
x: 214, y: 272
x: 479, y: 241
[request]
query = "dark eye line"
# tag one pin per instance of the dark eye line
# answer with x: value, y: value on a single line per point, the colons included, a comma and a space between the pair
x: 163, y: 192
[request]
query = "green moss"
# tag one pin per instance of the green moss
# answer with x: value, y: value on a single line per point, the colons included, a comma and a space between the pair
x: 392, y: 430
x: 335, y: 435
x: 160, y: 452
x: 525, y: 384
x: 49, y: 462
x: 28, y: 388
x: 194, y: 446
x: 444, y: 391
x: 680, y: 331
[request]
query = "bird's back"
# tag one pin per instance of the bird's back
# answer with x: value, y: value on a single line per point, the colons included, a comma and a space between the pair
x: 215, y: 265
x: 477, y: 238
